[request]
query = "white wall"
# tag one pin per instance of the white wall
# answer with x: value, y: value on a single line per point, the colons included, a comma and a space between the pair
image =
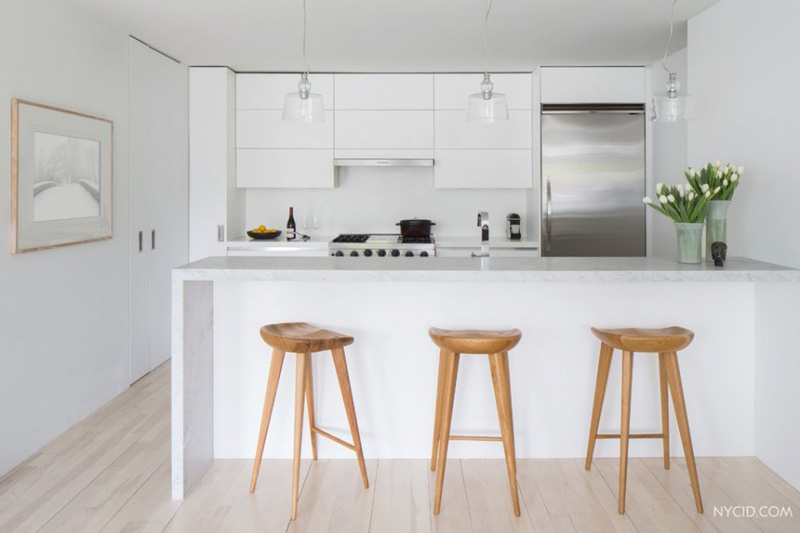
x: 63, y: 312
x: 667, y: 154
x: 374, y: 199
x: 743, y: 59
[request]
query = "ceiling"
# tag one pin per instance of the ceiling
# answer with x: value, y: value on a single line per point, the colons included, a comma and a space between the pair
x: 401, y: 35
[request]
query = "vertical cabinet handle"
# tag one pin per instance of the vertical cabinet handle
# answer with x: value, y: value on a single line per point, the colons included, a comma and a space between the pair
x: 221, y: 233
x: 548, y: 213
x: 141, y: 238
x: 152, y: 239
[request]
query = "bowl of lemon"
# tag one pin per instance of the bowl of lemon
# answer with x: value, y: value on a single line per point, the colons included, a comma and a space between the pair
x: 263, y: 232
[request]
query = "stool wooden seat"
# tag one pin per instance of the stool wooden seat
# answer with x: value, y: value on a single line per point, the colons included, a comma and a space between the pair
x: 305, y: 339
x: 661, y: 340
x: 299, y: 337
x: 666, y: 342
x: 475, y: 341
x: 452, y: 344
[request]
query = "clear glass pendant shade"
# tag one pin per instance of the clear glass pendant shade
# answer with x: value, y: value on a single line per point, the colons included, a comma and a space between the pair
x: 303, y: 105
x: 670, y: 106
x: 487, y: 106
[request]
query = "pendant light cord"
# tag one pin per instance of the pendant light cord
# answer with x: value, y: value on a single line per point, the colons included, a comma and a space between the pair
x: 486, y: 36
x: 669, y: 41
x: 305, y: 61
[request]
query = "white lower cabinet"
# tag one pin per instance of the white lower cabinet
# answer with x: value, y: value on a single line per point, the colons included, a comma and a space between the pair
x: 493, y: 252
x: 295, y: 169
x: 483, y: 169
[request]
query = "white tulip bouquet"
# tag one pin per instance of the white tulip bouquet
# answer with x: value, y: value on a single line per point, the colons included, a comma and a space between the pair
x: 715, y: 176
x: 683, y: 204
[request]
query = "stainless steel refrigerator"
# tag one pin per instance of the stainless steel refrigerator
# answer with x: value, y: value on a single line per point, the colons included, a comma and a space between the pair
x: 593, y: 180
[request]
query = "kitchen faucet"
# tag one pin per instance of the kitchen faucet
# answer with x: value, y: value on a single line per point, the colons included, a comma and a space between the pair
x: 483, y: 223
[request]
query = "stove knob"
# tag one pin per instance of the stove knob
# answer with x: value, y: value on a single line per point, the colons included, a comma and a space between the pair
x: 382, y: 253
x: 395, y: 253
x: 353, y: 254
x: 423, y: 254
x: 409, y: 254
x: 367, y: 253
x: 339, y: 254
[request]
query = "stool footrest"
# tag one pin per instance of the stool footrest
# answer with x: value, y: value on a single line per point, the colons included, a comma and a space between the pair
x: 468, y: 437
x: 631, y: 436
x: 337, y: 440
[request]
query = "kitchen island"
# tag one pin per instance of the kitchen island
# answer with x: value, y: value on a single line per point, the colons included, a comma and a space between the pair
x: 739, y: 374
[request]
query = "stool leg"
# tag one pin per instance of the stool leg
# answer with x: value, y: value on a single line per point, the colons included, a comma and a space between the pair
x: 299, y: 393
x: 662, y: 378
x: 674, y: 377
x: 269, y: 400
x: 447, y: 418
x: 312, y: 423
x: 347, y: 395
x: 603, y: 368
x: 625, y: 426
x: 501, y: 379
x: 438, y: 416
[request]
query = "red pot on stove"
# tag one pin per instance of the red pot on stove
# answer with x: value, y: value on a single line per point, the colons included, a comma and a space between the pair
x: 415, y: 227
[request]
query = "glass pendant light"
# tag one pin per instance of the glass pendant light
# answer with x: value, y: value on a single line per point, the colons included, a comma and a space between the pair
x: 487, y: 106
x: 670, y: 106
x: 303, y: 105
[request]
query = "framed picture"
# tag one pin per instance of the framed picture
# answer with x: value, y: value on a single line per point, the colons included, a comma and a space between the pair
x: 61, y: 176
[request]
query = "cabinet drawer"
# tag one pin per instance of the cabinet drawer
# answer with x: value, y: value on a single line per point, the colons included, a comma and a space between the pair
x: 454, y: 132
x: 452, y: 90
x: 292, y: 169
x: 483, y: 169
x: 401, y: 130
x: 595, y: 85
x: 384, y: 91
x: 266, y: 129
x: 267, y: 91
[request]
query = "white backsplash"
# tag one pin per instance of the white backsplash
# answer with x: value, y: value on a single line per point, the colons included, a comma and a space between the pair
x: 372, y: 200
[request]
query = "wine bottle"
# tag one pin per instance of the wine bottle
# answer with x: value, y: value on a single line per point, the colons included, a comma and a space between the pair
x: 291, y: 227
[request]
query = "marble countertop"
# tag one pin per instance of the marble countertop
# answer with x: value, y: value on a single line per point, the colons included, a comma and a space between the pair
x: 446, y: 269
x: 474, y: 241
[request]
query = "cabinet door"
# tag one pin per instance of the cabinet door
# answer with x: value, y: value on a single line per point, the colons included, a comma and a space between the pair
x: 293, y: 169
x: 454, y: 132
x: 267, y: 129
x: 483, y: 169
x: 592, y: 85
x: 384, y: 91
x: 158, y: 181
x: 267, y: 91
x: 372, y: 130
x: 452, y: 90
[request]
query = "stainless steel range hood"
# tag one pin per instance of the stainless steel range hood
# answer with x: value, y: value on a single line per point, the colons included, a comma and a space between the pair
x: 370, y: 162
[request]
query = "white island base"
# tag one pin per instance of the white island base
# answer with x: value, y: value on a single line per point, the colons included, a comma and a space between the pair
x: 739, y: 374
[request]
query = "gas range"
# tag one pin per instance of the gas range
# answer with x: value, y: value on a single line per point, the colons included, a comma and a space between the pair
x: 381, y: 245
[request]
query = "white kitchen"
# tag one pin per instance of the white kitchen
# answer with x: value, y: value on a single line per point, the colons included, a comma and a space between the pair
x: 262, y: 290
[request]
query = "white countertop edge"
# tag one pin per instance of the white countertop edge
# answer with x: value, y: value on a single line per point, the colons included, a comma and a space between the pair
x: 323, y: 240
x: 469, y: 270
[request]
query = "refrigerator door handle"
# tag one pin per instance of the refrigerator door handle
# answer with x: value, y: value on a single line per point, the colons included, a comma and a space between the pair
x: 548, y: 212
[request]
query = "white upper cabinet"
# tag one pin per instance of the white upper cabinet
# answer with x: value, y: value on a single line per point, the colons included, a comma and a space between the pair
x: 267, y: 91
x: 383, y: 91
x: 483, y: 169
x: 593, y: 85
x: 454, y: 132
x: 266, y: 129
x: 411, y: 130
x: 452, y: 90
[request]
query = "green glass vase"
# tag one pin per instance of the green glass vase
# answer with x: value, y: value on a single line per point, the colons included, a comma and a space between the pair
x: 690, y: 242
x: 716, y: 224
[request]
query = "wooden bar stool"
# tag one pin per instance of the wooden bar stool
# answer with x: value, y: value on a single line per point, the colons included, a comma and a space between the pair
x: 666, y: 342
x: 453, y: 343
x: 305, y: 339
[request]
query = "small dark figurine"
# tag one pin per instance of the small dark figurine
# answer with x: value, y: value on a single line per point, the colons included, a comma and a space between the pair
x: 719, y: 252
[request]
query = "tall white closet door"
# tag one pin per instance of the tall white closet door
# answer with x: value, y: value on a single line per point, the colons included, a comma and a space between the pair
x: 159, y: 198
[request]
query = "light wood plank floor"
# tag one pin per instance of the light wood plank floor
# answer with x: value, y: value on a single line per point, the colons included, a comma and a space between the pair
x: 111, y: 473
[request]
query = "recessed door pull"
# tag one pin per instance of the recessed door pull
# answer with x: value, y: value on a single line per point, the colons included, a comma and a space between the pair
x: 141, y: 238
x: 153, y: 239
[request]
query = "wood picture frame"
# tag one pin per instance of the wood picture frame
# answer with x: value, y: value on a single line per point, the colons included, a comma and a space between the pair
x: 62, y: 165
